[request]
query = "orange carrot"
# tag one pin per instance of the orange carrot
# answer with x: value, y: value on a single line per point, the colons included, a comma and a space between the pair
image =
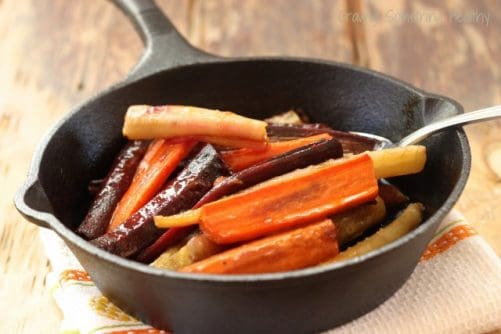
x: 296, y: 249
x: 245, y: 157
x: 296, y: 198
x: 159, y: 162
x: 304, y: 196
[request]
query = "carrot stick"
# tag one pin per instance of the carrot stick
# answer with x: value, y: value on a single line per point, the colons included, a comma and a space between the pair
x: 225, y: 142
x: 245, y: 157
x: 409, y: 218
x: 299, y: 158
x: 351, y: 142
x: 167, y: 239
x: 304, y: 196
x: 233, y: 142
x: 398, y: 161
x: 185, y: 218
x: 148, y: 122
x: 158, y: 163
x: 296, y: 249
x: 112, y: 189
x: 296, y: 198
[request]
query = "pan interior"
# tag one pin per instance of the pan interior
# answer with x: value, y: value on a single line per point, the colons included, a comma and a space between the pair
x: 84, y: 146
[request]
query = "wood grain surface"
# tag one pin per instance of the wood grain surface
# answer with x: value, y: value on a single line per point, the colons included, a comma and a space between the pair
x: 57, y: 53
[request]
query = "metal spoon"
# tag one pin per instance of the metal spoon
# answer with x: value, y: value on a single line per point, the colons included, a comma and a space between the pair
x: 424, y: 132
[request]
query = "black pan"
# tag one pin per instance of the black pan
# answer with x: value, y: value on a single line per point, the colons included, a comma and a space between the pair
x: 82, y: 145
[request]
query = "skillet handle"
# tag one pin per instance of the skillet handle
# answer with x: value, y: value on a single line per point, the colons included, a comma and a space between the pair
x: 165, y: 47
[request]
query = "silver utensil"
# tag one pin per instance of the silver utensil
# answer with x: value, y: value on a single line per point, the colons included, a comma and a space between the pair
x: 424, y: 132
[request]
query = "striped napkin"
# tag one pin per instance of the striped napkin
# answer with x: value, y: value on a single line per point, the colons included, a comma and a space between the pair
x: 456, y: 288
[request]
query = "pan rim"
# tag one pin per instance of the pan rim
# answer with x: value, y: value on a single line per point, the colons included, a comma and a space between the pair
x: 72, y: 237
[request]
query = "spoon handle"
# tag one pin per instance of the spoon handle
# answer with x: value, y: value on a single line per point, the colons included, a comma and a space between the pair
x: 470, y: 117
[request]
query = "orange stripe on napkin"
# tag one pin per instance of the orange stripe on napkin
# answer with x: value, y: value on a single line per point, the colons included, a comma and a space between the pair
x: 74, y: 275
x: 447, y: 240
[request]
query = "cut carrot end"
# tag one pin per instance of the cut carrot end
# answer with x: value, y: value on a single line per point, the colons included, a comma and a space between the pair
x: 187, y: 218
x: 398, y: 161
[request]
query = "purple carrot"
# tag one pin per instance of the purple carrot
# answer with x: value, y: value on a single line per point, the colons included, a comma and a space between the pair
x: 351, y: 142
x: 178, y: 195
x: 112, y: 188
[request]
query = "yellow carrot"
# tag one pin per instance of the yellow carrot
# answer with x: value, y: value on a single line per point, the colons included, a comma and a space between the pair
x: 148, y: 122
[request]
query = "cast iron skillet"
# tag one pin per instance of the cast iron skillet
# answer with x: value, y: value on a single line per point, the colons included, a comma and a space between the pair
x: 82, y: 146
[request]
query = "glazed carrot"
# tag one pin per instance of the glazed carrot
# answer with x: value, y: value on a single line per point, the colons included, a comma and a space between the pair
x: 148, y: 122
x: 299, y: 158
x: 233, y: 142
x: 291, y: 117
x: 179, y: 194
x: 111, y: 189
x: 391, y: 195
x: 408, y: 219
x: 225, y: 142
x: 352, y: 143
x: 296, y: 249
x: 398, y: 161
x: 197, y: 248
x: 296, y: 198
x: 237, y: 160
x: 167, y: 239
x: 158, y: 163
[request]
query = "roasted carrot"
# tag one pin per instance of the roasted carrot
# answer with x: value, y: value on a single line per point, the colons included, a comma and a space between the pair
x: 111, y: 189
x: 296, y: 249
x: 225, y: 142
x: 349, y: 225
x: 301, y: 157
x: 197, y: 248
x: 179, y: 194
x: 296, y: 198
x: 288, y: 117
x: 398, y: 161
x: 352, y: 223
x: 167, y: 239
x: 391, y: 195
x: 159, y: 162
x: 148, y: 122
x: 233, y: 142
x: 352, y: 143
x: 408, y: 219
x: 242, y: 158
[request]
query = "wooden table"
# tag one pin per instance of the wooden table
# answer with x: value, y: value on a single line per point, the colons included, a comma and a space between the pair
x: 56, y: 53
